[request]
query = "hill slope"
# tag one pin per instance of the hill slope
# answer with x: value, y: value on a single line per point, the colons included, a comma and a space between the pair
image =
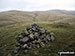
x: 64, y: 40
x: 12, y: 17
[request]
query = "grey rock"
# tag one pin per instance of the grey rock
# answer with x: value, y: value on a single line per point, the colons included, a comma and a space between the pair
x: 9, y: 54
x: 16, y: 49
x: 25, y: 39
x: 33, y: 37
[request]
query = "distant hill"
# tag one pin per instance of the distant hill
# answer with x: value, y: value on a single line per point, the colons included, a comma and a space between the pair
x: 65, y: 12
x: 12, y: 17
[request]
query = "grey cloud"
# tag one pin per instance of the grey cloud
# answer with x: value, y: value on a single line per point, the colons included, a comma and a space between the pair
x: 23, y: 5
x: 13, y: 4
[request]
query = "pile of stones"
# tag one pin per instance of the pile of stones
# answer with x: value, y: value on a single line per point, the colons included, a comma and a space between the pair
x: 33, y: 37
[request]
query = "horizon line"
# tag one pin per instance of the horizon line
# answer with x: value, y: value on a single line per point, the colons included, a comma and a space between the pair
x: 36, y: 10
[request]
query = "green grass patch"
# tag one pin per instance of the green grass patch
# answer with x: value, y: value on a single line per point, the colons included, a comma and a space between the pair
x: 64, y: 39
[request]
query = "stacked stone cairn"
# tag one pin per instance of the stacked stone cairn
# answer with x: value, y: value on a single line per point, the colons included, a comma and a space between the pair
x: 33, y: 37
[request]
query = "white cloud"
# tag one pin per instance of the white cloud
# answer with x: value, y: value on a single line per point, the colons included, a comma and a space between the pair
x: 50, y: 2
x: 53, y: 4
x: 37, y: 4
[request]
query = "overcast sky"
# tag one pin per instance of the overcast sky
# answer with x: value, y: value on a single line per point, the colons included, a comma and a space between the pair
x: 36, y: 5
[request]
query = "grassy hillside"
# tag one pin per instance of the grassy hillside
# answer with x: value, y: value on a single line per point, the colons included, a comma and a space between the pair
x: 64, y: 41
x: 54, y: 16
x: 62, y: 23
x: 13, y: 17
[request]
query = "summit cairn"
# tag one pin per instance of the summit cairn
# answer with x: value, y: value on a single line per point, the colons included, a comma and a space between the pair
x: 33, y: 37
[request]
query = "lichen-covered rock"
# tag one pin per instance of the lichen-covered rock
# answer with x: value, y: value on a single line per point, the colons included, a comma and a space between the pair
x: 33, y: 37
